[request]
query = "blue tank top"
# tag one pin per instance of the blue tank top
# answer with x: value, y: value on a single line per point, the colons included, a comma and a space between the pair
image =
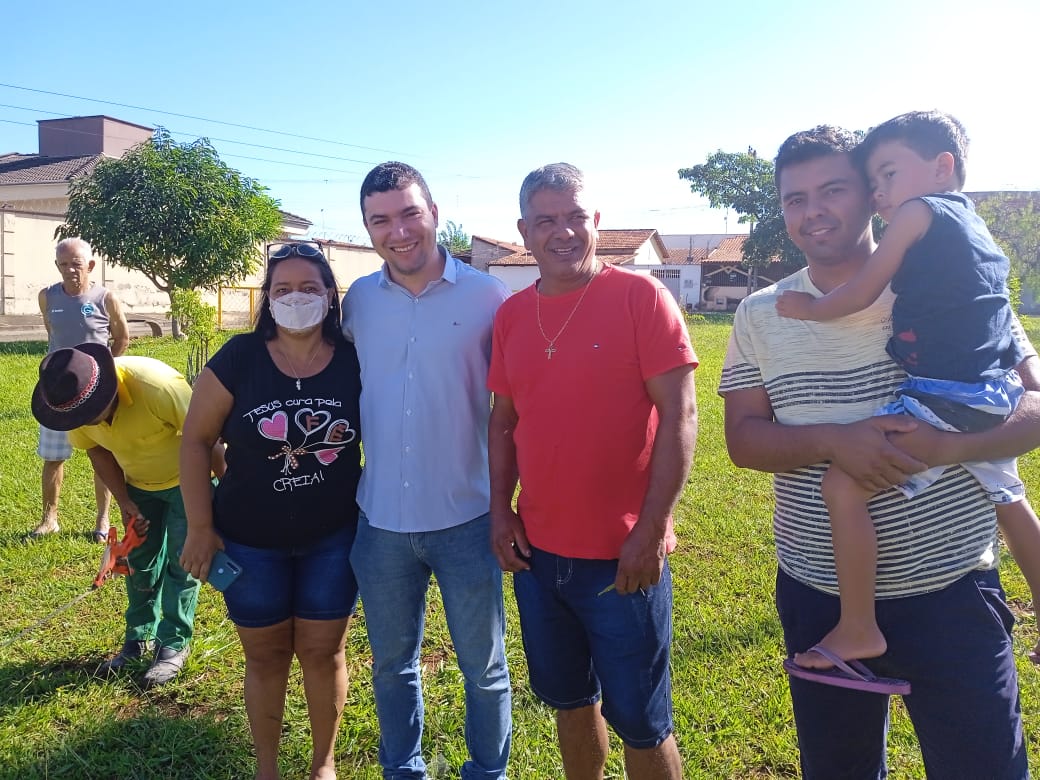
x: 952, y: 316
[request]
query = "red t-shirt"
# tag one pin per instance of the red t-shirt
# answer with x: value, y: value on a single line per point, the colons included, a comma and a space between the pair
x: 586, y: 423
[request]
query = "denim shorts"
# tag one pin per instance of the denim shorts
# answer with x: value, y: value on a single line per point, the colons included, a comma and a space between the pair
x: 314, y: 582
x: 582, y: 643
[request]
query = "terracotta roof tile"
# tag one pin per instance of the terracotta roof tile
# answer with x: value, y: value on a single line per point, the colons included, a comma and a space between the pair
x: 501, y: 244
x: 34, y: 169
x: 729, y: 250
x: 526, y: 258
x: 611, y: 241
x: 680, y: 256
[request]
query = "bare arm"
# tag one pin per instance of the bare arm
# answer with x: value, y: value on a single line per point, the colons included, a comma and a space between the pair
x: 910, y: 223
x: 117, y: 326
x: 107, y: 467
x: 508, y: 540
x: 643, y: 553
x: 42, y: 300
x: 861, y: 449
x: 210, y: 405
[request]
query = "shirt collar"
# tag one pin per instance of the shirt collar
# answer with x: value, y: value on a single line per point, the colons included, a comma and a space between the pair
x: 450, y: 274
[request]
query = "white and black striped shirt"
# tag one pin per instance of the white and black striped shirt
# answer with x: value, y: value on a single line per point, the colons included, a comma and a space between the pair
x: 839, y: 372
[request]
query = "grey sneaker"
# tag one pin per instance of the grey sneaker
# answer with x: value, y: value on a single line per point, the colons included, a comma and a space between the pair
x: 165, y: 666
x: 132, y: 650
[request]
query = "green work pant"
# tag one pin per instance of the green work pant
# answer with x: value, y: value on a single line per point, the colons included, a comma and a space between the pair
x: 161, y: 595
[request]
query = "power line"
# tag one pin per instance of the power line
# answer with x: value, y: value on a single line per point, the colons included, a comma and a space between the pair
x: 204, y: 119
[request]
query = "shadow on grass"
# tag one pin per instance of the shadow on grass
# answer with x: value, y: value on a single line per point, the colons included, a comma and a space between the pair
x: 33, y: 348
x: 151, y: 735
x: 139, y: 746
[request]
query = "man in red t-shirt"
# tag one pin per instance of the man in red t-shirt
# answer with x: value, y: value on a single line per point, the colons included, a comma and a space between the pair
x: 592, y: 372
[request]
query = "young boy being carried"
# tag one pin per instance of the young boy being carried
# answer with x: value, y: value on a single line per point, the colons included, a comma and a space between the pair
x: 951, y: 332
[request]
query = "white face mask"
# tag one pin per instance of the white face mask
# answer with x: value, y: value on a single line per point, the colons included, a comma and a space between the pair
x: 299, y: 310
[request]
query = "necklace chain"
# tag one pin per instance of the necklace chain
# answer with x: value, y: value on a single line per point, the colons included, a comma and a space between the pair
x: 293, y: 368
x: 551, y: 342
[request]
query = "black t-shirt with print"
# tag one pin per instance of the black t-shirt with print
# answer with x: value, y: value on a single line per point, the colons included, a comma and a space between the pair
x: 293, y: 456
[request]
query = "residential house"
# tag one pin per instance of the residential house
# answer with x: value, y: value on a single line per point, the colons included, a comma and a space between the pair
x: 34, y: 199
x: 640, y: 250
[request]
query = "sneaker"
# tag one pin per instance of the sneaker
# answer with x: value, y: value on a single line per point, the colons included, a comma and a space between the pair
x: 131, y: 651
x: 166, y: 665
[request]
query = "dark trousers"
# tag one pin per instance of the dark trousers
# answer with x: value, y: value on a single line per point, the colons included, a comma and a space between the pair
x: 953, y: 646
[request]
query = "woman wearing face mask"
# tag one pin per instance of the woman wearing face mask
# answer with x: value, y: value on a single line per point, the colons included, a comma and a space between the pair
x: 284, y: 399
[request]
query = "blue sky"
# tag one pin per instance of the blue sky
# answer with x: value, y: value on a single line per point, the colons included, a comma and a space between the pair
x: 477, y: 94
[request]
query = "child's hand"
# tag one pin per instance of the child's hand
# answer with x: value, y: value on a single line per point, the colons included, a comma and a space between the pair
x: 796, y: 305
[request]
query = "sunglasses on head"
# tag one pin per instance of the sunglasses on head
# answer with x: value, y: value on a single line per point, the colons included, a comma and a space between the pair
x: 300, y: 250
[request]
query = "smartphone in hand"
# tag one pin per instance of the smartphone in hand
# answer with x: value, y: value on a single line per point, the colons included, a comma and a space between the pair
x: 222, y: 571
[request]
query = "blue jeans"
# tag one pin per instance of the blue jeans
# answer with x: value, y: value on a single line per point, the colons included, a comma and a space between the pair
x: 953, y: 645
x: 393, y: 572
x: 580, y: 638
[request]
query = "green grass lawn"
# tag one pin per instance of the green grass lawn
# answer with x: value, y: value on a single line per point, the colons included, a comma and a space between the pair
x: 57, y: 720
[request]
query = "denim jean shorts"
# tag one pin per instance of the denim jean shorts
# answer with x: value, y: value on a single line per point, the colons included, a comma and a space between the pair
x: 314, y: 582
x: 583, y: 642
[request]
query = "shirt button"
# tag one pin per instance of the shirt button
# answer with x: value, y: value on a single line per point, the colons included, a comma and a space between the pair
x: 408, y: 412
x: 407, y: 448
x: 406, y: 484
x: 412, y: 339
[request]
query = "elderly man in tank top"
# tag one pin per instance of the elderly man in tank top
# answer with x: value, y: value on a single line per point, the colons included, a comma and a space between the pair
x: 75, y: 311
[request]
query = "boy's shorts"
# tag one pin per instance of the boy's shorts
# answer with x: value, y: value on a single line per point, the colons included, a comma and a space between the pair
x: 314, y: 582
x: 962, y: 407
x: 54, y: 445
x: 581, y: 641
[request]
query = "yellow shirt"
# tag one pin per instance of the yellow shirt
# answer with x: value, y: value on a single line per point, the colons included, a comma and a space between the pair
x: 145, y: 433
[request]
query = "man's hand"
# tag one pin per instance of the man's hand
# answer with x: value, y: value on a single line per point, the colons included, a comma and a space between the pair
x: 199, y: 546
x: 795, y: 305
x: 641, y: 561
x: 864, y: 452
x: 509, y: 542
x: 131, y: 514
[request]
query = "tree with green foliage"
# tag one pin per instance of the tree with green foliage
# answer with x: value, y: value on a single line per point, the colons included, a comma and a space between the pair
x: 454, y: 239
x: 1014, y: 221
x: 176, y: 213
x: 743, y: 181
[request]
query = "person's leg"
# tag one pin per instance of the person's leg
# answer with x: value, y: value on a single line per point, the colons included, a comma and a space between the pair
x: 657, y: 763
x: 319, y: 644
x: 470, y: 582
x: 855, y: 560
x: 626, y: 633
x: 393, y: 585
x: 954, y: 646
x: 841, y: 733
x: 54, y: 449
x: 584, y: 742
x: 104, y: 500
x: 559, y: 662
x: 268, y: 652
x: 179, y: 590
x: 324, y: 598
x: 1021, y: 530
x: 53, y: 476
x: 144, y: 581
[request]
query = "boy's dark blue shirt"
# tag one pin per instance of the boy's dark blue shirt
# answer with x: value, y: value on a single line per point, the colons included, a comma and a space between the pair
x: 952, y: 315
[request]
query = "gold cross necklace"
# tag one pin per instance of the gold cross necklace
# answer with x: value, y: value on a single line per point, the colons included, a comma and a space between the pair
x: 551, y: 342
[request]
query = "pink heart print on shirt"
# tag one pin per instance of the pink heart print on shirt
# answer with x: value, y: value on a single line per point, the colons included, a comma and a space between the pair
x: 274, y: 427
x: 325, y: 457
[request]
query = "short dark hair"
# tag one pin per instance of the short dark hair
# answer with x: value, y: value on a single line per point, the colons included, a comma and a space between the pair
x: 927, y: 133
x: 264, y: 323
x: 393, y: 175
x: 821, y: 141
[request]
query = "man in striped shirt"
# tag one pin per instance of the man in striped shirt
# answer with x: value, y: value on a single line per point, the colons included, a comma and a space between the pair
x: 799, y: 394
